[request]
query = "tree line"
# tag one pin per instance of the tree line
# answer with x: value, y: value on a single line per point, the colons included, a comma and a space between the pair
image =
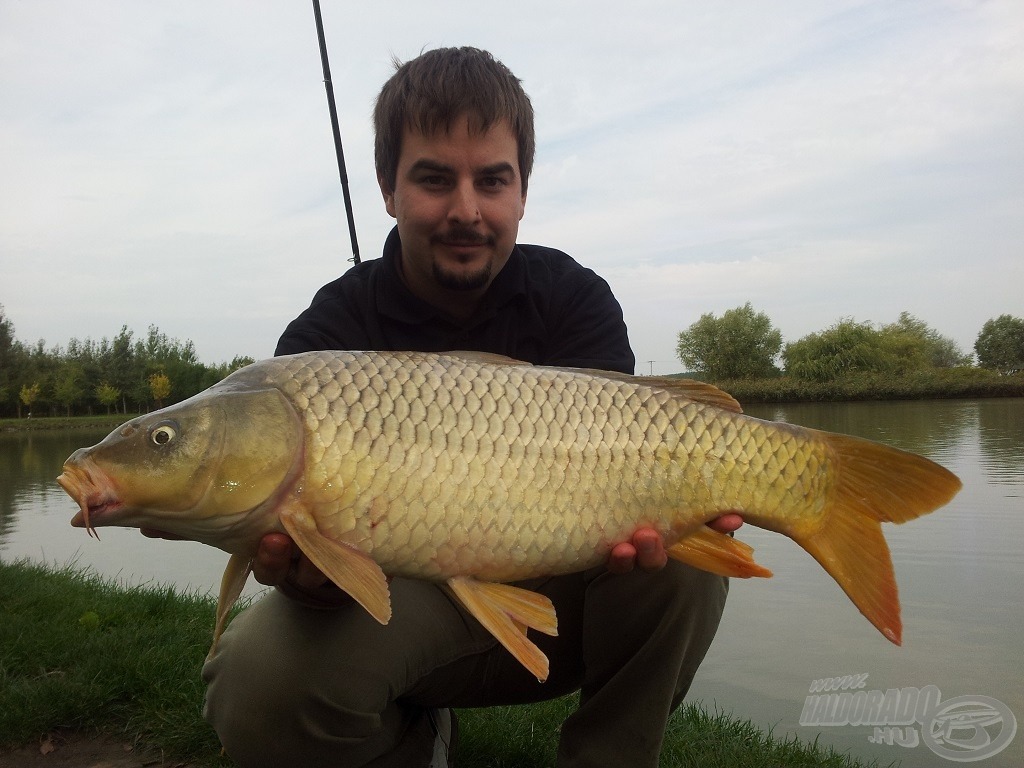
x: 126, y: 374
x: 129, y: 374
x: 743, y: 344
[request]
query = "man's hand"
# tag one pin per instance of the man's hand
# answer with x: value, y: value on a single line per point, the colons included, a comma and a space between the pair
x: 279, y: 562
x: 646, y: 550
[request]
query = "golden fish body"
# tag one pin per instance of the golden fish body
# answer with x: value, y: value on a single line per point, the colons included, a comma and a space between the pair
x: 474, y: 469
x: 437, y: 467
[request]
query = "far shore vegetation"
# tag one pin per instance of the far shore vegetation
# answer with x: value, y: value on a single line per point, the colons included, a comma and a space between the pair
x: 84, y: 654
x: 740, y: 351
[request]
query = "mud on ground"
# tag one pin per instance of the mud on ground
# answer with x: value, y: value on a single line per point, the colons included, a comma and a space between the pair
x: 77, y: 750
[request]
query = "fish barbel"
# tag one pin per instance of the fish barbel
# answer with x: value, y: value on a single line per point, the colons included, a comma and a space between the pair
x: 475, y: 470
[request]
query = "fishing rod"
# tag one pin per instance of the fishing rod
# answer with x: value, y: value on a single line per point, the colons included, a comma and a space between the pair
x: 337, y: 132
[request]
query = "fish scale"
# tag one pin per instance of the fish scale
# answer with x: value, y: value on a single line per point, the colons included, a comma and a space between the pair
x: 470, y: 469
x: 556, y: 436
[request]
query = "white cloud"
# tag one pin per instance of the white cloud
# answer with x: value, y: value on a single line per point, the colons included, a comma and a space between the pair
x: 173, y: 164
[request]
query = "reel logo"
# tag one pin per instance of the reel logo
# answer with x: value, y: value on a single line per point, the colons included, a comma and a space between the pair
x: 962, y: 729
x: 969, y: 728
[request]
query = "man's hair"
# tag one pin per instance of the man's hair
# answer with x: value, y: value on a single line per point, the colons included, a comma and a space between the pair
x: 432, y: 91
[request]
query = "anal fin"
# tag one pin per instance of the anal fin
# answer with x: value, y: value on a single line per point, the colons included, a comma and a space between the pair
x: 352, y: 570
x: 717, y: 553
x: 504, y: 610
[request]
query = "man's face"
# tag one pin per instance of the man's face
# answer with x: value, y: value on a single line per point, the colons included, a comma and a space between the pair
x: 458, y: 201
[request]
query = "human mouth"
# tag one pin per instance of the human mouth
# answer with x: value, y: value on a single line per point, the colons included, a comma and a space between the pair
x: 463, y: 239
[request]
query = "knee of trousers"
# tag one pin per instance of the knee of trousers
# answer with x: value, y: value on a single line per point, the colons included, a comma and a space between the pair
x: 676, y: 591
x: 269, y: 701
x: 690, y: 589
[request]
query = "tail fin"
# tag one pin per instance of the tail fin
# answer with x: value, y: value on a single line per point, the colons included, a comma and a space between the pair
x: 875, y: 484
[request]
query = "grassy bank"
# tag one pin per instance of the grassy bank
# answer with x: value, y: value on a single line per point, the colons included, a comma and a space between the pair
x: 66, y: 422
x: 935, y: 384
x: 79, y: 652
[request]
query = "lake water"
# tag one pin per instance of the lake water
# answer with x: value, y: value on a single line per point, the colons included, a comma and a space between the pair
x: 952, y: 693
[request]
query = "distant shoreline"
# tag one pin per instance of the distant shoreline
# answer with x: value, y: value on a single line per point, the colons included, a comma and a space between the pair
x: 44, y: 423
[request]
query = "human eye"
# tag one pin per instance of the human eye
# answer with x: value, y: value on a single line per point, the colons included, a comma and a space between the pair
x: 433, y: 180
x: 492, y: 183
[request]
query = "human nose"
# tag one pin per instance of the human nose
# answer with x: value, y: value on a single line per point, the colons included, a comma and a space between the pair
x: 465, y: 208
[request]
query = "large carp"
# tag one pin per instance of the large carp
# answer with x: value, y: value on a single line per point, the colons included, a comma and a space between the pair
x: 475, y: 470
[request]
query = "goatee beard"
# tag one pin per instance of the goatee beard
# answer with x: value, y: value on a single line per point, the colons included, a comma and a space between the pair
x: 472, y: 281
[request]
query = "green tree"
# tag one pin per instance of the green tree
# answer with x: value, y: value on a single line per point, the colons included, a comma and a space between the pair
x: 107, y: 395
x: 215, y: 373
x: 120, y: 367
x: 1000, y: 345
x: 847, y: 347
x: 7, y: 354
x: 917, y: 345
x: 741, y: 344
x: 68, y: 389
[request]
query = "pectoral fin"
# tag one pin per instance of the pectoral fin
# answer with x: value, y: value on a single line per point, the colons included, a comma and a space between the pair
x: 718, y: 553
x: 503, y: 610
x: 352, y: 570
x: 231, y: 585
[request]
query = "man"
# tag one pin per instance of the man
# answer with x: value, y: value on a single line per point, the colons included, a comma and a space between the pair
x: 305, y: 676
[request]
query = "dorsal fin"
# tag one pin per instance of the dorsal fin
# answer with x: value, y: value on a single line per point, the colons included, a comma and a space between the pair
x: 487, y: 358
x: 698, y: 391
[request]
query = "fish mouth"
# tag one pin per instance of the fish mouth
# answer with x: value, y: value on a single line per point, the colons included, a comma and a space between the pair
x: 95, y: 498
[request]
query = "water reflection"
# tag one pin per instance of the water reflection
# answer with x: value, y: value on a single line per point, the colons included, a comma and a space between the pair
x: 1001, y: 438
x: 925, y: 427
x: 35, y: 516
x: 29, y: 464
x: 941, y: 430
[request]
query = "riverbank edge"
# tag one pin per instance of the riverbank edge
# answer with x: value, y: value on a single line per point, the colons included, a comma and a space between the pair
x: 47, y: 423
x: 87, y: 655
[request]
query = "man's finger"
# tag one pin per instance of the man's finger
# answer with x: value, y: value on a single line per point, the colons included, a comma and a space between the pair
x: 273, y: 559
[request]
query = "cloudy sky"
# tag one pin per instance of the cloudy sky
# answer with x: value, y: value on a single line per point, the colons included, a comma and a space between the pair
x: 172, y: 163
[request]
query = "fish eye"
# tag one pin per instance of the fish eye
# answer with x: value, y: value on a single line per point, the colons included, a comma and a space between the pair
x: 163, y: 433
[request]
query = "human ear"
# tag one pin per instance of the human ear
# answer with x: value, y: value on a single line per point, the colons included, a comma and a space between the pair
x: 389, y: 196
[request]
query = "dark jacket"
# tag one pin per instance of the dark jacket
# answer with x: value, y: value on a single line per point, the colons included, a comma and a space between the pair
x: 543, y: 307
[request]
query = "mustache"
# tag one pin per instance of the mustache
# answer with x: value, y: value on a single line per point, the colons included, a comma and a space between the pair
x: 462, y: 236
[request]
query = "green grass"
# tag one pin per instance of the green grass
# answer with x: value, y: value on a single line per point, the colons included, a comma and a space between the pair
x: 83, y: 653
x: 932, y: 384
x: 66, y: 422
x: 527, y: 737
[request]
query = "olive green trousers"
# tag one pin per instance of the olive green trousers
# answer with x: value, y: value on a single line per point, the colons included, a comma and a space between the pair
x: 293, y: 685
